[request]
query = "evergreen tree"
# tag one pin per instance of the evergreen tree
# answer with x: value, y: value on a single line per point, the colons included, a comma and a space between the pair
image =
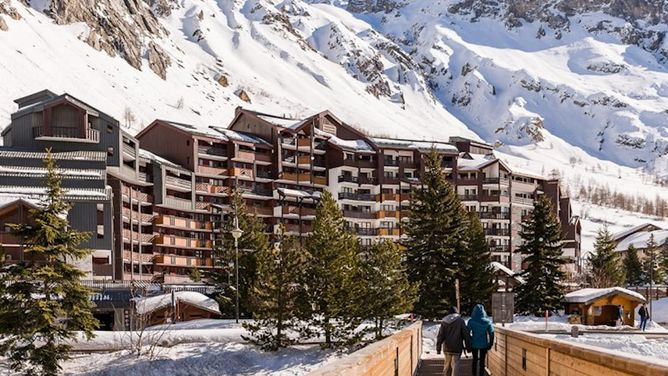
x: 633, y: 266
x: 387, y: 291
x: 276, y: 291
x: 541, y: 235
x: 476, y: 276
x: 253, y: 240
x: 195, y: 275
x: 604, y: 263
x: 331, y: 289
x: 436, y: 230
x: 663, y: 257
x: 43, y: 303
x: 651, y: 266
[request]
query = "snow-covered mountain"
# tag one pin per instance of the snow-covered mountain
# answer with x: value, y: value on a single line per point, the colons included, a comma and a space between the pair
x: 571, y: 86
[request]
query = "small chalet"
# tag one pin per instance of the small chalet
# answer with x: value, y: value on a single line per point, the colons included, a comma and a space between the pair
x: 176, y: 307
x: 601, y: 306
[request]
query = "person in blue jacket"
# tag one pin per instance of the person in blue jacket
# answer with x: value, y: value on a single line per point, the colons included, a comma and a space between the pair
x: 482, y: 338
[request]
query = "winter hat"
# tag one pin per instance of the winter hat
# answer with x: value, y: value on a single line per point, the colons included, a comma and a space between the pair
x: 452, y: 310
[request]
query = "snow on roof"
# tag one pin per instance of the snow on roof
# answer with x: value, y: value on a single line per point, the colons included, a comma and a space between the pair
x: 476, y: 161
x: 192, y: 129
x: 589, y: 294
x: 353, y: 145
x: 41, y: 171
x: 69, y: 155
x: 640, y: 240
x: 414, y: 144
x: 230, y: 134
x: 37, y: 193
x: 297, y: 193
x: 10, y: 199
x: 282, y: 122
x: 152, y: 303
x: 500, y: 267
x: 145, y: 154
x: 625, y: 233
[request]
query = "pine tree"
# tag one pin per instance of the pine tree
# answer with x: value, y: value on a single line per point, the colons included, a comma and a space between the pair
x: 43, y: 303
x: 604, y: 263
x: 436, y: 230
x: 651, y: 267
x: 195, y: 275
x: 331, y: 288
x: 476, y: 276
x: 387, y: 291
x: 541, y: 235
x: 253, y: 240
x: 663, y: 257
x: 633, y: 266
x: 276, y: 292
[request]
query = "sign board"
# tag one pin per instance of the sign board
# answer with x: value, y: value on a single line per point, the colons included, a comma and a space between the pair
x: 503, y: 307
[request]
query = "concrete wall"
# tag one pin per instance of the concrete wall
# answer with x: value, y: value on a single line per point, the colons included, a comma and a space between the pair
x: 397, y: 355
x: 518, y: 353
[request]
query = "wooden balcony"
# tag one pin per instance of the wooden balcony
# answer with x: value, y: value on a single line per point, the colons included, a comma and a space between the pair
x: 388, y: 214
x: 241, y: 172
x: 137, y: 195
x: 66, y: 133
x: 357, y: 196
x: 468, y: 181
x: 260, y: 210
x: 384, y: 231
x: 263, y: 157
x: 178, y: 203
x: 178, y: 182
x: 494, y: 198
x: 212, y: 150
x: 210, y: 188
x: 186, y: 261
x: 145, y: 257
x: 405, y: 197
x: 136, y: 236
x: 212, y: 170
x: 388, y: 197
x: 7, y: 238
x: 179, y: 242
x: 171, y: 221
x: 469, y: 197
x: 304, y: 178
x: 358, y: 214
x: 304, y: 142
x: 304, y: 160
x: 295, y: 210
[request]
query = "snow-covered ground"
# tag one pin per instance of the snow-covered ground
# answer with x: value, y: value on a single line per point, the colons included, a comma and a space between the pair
x: 639, y: 344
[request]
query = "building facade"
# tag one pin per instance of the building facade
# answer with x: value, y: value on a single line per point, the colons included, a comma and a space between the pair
x: 169, y: 187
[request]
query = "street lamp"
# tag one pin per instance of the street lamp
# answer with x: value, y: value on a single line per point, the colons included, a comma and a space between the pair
x: 236, y: 234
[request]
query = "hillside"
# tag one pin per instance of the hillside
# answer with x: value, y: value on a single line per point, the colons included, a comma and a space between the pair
x: 569, y: 87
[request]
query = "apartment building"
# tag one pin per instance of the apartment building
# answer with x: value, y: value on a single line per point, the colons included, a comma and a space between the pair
x: 169, y: 187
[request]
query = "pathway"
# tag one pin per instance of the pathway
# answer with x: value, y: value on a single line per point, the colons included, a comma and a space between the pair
x: 432, y: 365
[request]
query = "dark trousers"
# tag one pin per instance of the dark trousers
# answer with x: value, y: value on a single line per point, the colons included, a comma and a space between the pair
x: 479, y: 356
x: 643, y: 323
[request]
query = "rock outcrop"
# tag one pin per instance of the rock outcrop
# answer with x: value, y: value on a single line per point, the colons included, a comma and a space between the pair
x: 118, y: 28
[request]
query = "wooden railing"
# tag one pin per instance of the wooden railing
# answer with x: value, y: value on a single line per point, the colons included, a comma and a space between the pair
x: 66, y: 132
x: 397, y: 355
x: 518, y: 353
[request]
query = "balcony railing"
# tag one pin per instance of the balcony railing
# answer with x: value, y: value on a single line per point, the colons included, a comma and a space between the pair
x: 128, y: 149
x: 365, y: 231
x: 494, y: 198
x: 217, y: 151
x: 388, y: 214
x: 468, y: 197
x: 388, y: 197
x: 176, y: 241
x: 491, y: 215
x: 102, y: 270
x: 523, y: 200
x: 178, y: 203
x: 358, y: 214
x: 387, y: 231
x: 174, y: 260
x: 391, y: 162
x: 499, y: 248
x: 357, y: 196
x: 178, y: 182
x: 295, y: 210
x: 90, y: 134
x: 501, y: 181
x: 497, y: 231
x: 357, y: 179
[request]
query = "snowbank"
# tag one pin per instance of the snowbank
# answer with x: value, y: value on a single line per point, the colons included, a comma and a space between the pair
x: 150, y: 304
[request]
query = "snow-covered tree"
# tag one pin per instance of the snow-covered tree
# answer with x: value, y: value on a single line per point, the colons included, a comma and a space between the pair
x: 633, y: 267
x: 651, y: 262
x: 605, y: 268
x: 330, y: 283
x: 436, y: 230
x: 275, y: 294
x: 253, y: 240
x: 43, y: 303
x: 387, y: 291
x: 543, y: 289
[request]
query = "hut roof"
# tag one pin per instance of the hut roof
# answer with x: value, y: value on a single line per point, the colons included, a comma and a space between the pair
x: 586, y: 296
x: 196, y: 299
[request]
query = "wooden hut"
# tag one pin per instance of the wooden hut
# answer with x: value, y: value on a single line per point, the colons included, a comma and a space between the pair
x: 601, y: 306
x: 175, y: 307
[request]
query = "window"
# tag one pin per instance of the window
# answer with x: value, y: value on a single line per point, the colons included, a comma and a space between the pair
x: 110, y: 151
x: 187, y: 142
x: 110, y: 128
x: 100, y: 221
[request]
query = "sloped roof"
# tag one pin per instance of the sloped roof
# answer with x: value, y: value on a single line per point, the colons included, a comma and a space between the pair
x: 622, y: 234
x: 639, y: 240
x: 196, y: 299
x: 498, y: 267
x: 423, y: 145
x: 83, y: 155
x: 474, y: 162
x: 585, y: 296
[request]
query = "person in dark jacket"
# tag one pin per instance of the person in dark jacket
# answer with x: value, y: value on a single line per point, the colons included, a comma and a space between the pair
x: 453, y: 337
x: 482, y: 338
x: 644, y: 316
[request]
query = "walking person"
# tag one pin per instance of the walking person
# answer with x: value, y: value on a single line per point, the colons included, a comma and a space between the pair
x: 620, y: 315
x: 453, y: 337
x: 644, y: 316
x: 482, y: 338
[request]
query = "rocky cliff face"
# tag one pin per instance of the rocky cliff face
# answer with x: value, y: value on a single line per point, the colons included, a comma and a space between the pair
x: 126, y: 28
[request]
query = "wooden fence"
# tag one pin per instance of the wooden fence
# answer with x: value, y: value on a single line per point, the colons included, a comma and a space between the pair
x: 397, y: 355
x: 518, y: 353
